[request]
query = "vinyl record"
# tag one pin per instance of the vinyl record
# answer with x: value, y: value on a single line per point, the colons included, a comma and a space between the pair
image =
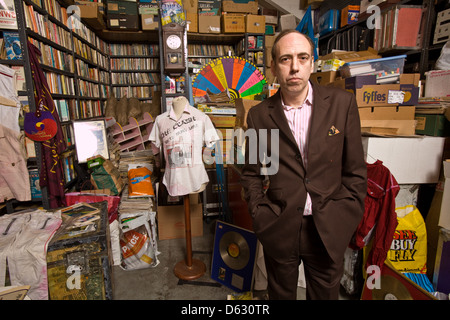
x: 393, y: 285
x: 234, y: 250
x: 391, y: 289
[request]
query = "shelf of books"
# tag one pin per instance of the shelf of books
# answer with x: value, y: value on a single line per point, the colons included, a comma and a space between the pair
x: 252, y: 48
x: 92, y: 71
x: 75, y: 62
x: 199, y: 55
x: 135, y: 69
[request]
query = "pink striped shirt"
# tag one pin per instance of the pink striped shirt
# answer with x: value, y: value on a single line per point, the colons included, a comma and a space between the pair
x: 299, y: 120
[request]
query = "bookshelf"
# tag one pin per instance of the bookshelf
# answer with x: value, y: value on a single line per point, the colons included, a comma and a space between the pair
x: 200, y: 54
x: 26, y: 96
x: 420, y: 58
x: 135, y: 70
x: 252, y: 48
x: 85, y: 67
x: 75, y: 62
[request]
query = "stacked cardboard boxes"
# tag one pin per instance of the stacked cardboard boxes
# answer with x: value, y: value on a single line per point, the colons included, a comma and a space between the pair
x: 386, y: 96
x: 122, y: 15
x: 130, y: 15
x: 148, y: 10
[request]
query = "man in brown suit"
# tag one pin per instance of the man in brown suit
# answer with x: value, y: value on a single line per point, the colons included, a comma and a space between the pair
x: 317, y: 181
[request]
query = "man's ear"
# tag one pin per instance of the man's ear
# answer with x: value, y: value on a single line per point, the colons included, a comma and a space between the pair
x: 272, y: 67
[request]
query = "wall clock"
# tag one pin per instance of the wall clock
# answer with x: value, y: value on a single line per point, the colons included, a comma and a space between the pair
x: 174, y: 48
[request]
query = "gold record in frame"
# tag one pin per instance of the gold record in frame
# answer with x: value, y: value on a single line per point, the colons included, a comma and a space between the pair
x: 391, y: 289
x: 234, y: 250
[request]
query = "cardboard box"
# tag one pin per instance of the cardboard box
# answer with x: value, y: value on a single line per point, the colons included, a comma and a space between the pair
x: 269, y: 40
x: 271, y: 20
x: 411, y: 160
x: 208, y: 24
x: 354, y: 83
x: 231, y: 6
x: 368, y: 93
x: 323, y: 78
x: 350, y: 56
x: 121, y: 7
x: 242, y: 107
x: 223, y: 121
x: 191, y: 22
x: 172, y: 223
x: 288, y: 21
x: 149, y: 22
x: 349, y: 15
x: 90, y: 12
x: 233, y: 23
x: 395, y: 120
x: 436, y: 125
x: 123, y: 22
x: 209, y: 7
x: 387, y: 94
x: 191, y: 6
x: 385, y: 113
x: 255, y: 24
x: 441, y: 279
x: 436, y: 84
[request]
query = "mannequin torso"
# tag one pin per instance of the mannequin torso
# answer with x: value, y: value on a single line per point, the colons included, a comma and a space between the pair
x: 178, y: 106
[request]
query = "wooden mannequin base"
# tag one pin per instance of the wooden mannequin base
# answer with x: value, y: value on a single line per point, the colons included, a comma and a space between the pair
x: 184, y: 272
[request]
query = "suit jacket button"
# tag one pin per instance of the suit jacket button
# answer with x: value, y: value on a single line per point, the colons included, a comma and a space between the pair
x: 307, y: 181
x: 298, y: 157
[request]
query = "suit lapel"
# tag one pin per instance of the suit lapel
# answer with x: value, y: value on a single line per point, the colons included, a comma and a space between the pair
x: 319, y: 116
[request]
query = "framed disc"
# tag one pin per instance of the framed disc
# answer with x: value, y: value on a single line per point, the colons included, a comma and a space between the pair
x: 234, y: 250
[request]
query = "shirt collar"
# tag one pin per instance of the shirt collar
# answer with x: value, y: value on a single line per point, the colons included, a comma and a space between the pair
x: 309, y: 98
x: 173, y: 116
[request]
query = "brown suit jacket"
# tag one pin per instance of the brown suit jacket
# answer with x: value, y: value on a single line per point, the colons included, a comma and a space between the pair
x: 335, y: 177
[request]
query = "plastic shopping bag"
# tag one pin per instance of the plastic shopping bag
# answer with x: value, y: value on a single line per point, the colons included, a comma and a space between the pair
x: 408, y: 252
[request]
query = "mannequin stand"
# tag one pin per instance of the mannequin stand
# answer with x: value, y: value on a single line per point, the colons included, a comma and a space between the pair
x: 189, y: 269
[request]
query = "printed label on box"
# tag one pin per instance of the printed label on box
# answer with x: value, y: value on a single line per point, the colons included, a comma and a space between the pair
x: 396, y: 96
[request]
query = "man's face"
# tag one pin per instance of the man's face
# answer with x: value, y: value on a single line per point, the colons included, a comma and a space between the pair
x: 293, y: 63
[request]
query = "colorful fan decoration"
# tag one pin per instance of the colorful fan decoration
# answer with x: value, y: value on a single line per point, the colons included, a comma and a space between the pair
x: 239, y: 76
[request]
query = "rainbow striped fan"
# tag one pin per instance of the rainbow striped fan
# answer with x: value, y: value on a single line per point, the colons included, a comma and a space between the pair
x: 239, y: 76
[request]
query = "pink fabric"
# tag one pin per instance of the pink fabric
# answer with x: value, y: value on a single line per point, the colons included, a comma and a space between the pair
x: 299, y: 120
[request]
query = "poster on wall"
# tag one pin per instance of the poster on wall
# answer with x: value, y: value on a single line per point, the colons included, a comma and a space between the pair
x: 7, y: 15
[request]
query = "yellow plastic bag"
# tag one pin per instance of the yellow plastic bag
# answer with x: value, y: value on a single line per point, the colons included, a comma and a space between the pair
x: 408, y: 252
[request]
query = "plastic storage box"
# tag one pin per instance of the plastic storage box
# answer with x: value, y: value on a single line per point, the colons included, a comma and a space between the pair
x: 386, y: 69
x: 329, y: 21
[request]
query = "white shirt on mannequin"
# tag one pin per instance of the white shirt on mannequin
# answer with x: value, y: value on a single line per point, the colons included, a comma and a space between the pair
x: 182, y: 132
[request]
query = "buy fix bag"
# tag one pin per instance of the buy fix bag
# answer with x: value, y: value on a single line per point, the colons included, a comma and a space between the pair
x: 408, y: 252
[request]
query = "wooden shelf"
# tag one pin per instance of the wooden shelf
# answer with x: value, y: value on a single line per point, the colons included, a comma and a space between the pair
x: 119, y: 36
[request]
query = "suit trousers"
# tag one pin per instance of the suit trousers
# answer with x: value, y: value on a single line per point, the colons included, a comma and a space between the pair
x: 322, y: 274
